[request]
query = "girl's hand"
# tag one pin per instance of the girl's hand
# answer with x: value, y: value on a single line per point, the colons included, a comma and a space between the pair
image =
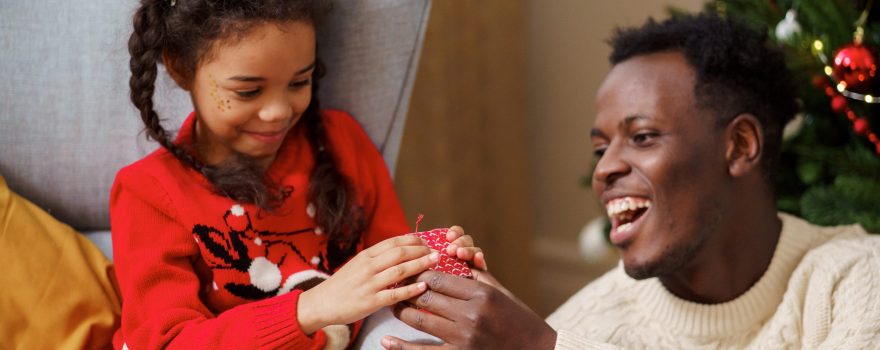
x: 360, y: 287
x: 462, y: 247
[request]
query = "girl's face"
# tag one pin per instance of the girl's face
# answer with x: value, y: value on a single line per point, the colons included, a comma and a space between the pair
x: 248, y: 93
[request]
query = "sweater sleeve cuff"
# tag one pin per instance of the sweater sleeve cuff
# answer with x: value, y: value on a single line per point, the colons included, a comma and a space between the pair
x: 567, y: 340
x: 277, y: 325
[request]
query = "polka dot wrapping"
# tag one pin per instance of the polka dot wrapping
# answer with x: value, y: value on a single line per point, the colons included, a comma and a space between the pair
x: 436, y: 240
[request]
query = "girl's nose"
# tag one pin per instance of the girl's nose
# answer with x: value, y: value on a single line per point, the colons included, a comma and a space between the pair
x: 278, y: 109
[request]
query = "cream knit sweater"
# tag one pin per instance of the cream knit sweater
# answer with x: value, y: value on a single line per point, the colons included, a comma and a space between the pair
x: 821, y: 290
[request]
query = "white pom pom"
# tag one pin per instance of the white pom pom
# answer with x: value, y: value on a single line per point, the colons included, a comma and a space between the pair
x: 593, y: 246
x: 296, y: 279
x: 788, y: 27
x: 793, y: 127
x: 264, y: 274
x: 310, y: 210
x: 237, y: 210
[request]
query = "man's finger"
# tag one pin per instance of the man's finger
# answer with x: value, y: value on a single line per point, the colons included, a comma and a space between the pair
x: 438, y: 304
x: 449, y: 285
x: 392, y: 343
x: 426, y: 322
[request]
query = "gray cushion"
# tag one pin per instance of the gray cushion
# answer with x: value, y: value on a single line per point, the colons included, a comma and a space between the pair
x: 102, y: 240
x: 66, y: 123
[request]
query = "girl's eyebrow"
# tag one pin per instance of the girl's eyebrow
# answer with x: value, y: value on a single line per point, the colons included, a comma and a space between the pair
x: 246, y: 78
x: 250, y: 79
x: 307, y: 68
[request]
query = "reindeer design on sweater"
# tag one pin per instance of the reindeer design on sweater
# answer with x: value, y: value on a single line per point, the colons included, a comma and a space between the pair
x: 262, y: 256
x: 258, y: 262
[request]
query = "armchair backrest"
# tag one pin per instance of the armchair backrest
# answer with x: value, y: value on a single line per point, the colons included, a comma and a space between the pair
x: 66, y: 123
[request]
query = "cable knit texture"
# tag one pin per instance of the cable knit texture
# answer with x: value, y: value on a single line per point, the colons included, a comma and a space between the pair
x: 198, y: 271
x: 822, y: 289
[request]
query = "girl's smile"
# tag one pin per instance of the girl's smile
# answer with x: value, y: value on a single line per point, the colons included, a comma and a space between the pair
x: 252, y: 91
x: 268, y: 137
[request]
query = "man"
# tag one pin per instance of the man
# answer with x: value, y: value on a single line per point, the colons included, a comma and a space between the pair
x: 687, y: 134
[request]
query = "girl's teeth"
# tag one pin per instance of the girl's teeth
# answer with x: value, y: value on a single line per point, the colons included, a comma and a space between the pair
x: 625, y: 227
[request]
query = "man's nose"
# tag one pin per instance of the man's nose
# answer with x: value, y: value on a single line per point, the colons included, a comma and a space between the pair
x: 611, y: 165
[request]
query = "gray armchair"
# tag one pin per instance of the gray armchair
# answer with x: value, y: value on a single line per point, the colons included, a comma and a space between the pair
x: 67, y: 126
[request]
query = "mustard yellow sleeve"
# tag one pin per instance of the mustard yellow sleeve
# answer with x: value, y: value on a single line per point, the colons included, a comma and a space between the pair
x: 58, y: 288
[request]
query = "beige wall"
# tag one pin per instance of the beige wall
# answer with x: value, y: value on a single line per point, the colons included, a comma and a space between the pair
x: 463, y: 159
x: 566, y: 60
x: 497, y: 133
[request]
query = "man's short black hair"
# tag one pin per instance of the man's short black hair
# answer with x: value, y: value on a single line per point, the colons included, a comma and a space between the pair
x: 736, y: 70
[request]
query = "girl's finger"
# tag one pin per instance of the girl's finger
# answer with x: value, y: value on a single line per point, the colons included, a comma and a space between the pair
x: 395, y: 295
x: 451, y: 249
x: 453, y: 233
x: 467, y: 253
x: 399, y: 241
x: 480, y: 261
x: 463, y: 241
x: 399, y: 272
x: 395, y: 256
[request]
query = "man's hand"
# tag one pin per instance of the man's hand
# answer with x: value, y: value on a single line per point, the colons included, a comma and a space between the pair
x: 468, y: 314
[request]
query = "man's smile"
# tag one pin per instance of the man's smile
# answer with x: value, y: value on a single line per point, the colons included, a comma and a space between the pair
x: 625, y: 213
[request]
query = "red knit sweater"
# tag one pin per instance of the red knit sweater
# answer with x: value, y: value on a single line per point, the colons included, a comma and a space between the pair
x: 199, y: 271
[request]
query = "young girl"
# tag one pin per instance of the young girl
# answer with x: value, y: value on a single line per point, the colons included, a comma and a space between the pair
x: 266, y: 222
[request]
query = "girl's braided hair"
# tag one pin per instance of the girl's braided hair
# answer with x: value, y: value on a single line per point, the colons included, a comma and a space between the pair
x: 186, y: 31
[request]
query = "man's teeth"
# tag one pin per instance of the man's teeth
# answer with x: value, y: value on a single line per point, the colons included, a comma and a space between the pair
x: 620, y: 205
x: 625, y: 227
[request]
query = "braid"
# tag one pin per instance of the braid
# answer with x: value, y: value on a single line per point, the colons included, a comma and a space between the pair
x: 331, y: 192
x: 145, y: 46
x: 198, y: 23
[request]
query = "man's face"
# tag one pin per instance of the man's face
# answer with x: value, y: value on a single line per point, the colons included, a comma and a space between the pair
x: 662, y: 166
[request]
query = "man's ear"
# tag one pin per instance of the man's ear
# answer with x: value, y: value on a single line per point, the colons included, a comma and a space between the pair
x: 744, y: 144
x: 172, y: 66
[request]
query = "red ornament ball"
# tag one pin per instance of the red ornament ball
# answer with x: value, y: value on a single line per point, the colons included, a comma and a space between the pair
x: 829, y: 91
x: 861, y: 126
x: 855, y: 65
x: 838, y: 104
x: 819, y: 81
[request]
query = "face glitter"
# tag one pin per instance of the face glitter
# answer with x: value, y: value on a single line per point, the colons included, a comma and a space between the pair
x: 216, y: 96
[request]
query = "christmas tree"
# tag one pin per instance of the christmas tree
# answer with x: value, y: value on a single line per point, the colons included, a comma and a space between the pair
x: 829, y: 173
